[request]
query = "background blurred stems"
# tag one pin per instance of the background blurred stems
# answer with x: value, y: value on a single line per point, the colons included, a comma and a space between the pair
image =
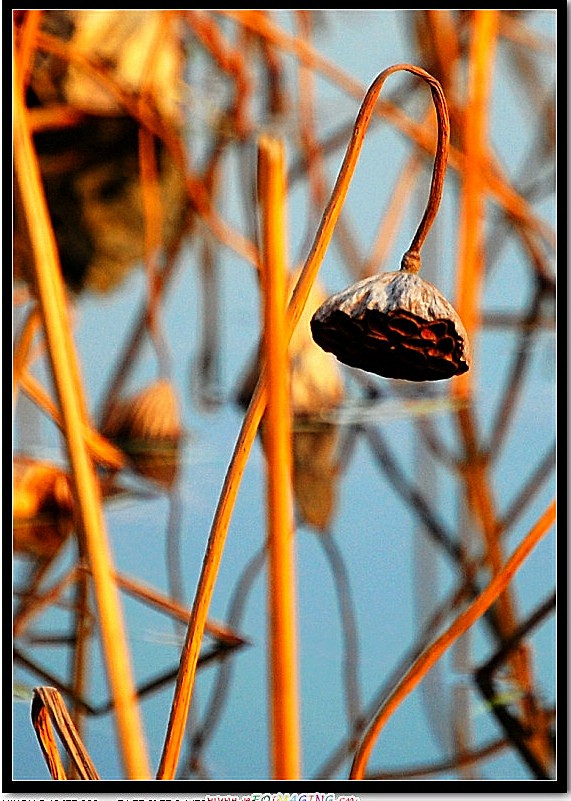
x: 86, y: 489
x: 471, y: 256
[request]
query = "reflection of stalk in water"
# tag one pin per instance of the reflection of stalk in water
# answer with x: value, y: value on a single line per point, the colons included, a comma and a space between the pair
x: 533, y: 745
x: 347, y: 746
x: 206, y: 363
x: 436, y: 650
x: 531, y: 487
x: 173, y: 550
x: 426, y: 591
x: 34, y: 603
x: 221, y: 687
x: 457, y: 763
x: 481, y: 506
x: 134, y: 342
x: 515, y: 377
x: 144, y: 689
x: 349, y: 629
x: 411, y: 495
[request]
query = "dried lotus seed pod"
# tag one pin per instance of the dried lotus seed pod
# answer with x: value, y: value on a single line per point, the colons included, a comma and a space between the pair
x: 396, y: 325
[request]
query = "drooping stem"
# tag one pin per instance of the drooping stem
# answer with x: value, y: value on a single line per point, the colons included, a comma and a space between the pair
x: 411, y: 259
x: 229, y: 491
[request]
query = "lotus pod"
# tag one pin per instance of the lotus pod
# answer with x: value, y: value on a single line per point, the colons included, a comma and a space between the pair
x: 149, y: 416
x: 42, y: 508
x: 147, y: 427
x: 395, y: 325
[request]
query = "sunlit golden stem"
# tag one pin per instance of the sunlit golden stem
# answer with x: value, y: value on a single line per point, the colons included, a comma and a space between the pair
x: 277, y: 445
x: 432, y: 654
x: 88, y: 498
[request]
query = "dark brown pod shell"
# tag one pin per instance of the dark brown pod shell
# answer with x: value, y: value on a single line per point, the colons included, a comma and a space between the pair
x: 396, y: 325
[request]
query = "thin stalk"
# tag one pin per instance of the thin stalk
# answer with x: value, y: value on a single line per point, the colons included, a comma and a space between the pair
x: 23, y: 347
x: 87, y: 493
x: 247, y: 435
x: 277, y: 446
x: 471, y: 255
x: 100, y: 449
x: 432, y: 654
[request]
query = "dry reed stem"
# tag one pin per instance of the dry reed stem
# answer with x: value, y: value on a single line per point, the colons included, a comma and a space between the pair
x: 100, y: 449
x: 23, y: 347
x: 48, y: 745
x: 434, y: 652
x: 66, y: 376
x: 247, y: 435
x: 48, y: 705
x: 471, y: 255
x: 26, y: 48
x: 78, y: 667
x: 277, y: 445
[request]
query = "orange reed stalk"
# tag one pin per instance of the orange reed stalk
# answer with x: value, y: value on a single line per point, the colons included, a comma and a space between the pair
x: 471, y: 255
x: 277, y: 445
x: 65, y: 369
x: 432, y: 654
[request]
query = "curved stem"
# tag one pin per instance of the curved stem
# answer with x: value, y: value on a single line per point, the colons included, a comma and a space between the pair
x: 87, y: 492
x: 460, y: 625
x: 438, y: 173
x: 246, y: 437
